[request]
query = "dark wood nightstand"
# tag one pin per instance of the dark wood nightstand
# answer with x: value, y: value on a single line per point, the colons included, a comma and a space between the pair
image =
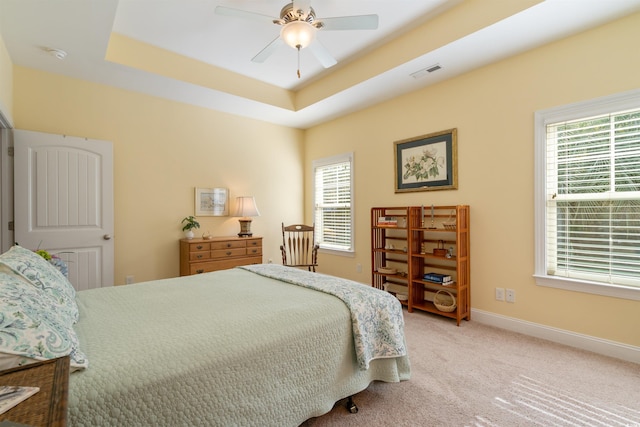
x: 48, y: 407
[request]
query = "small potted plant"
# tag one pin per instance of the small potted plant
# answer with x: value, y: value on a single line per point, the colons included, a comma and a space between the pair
x: 190, y: 224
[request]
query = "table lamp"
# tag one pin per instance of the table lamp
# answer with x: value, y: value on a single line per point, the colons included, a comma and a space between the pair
x: 246, y: 208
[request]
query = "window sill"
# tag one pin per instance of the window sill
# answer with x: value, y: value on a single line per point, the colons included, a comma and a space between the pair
x: 615, y: 291
x: 337, y: 252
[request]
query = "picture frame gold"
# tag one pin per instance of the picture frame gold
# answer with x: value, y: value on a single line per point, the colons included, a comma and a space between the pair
x: 427, y: 162
x: 212, y: 202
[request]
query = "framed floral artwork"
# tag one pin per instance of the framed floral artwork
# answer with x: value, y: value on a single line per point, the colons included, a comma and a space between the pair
x: 427, y: 162
x: 212, y: 202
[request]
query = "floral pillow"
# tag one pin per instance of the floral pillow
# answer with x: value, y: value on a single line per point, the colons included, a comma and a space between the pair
x: 45, y: 277
x: 31, y: 327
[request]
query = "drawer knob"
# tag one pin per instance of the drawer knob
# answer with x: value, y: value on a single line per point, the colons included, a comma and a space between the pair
x: 228, y: 245
x: 199, y: 256
x: 228, y: 253
x: 254, y: 251
x: 199, y: 247
x: 200, y: 271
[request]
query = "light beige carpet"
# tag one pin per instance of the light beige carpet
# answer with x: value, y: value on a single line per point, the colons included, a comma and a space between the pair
x: 477, y: 375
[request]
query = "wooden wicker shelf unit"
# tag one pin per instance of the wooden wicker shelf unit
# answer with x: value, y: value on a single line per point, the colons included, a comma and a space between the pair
x: 425, y: 240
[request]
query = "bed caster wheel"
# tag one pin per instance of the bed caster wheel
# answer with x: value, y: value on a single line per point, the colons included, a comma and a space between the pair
x: 351, y: 406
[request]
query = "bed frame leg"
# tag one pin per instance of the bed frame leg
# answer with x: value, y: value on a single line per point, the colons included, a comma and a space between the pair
x: 351, y: 406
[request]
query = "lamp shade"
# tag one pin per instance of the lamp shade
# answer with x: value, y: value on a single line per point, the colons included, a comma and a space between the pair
x: 246, y: 207
x: 298, y: 34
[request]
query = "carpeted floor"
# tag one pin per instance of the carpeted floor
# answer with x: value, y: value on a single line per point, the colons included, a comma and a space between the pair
x: 477, y: 375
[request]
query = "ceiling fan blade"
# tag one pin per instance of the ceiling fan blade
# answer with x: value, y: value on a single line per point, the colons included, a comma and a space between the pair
x: 359, y: 22
x: 268, y: 50
x: 322, y: 54
x: 227, y: 11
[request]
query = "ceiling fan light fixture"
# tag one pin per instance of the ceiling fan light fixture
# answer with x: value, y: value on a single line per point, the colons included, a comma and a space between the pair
x: 298, y: 34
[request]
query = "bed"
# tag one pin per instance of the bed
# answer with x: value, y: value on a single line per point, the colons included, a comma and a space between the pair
x: 258, y: 345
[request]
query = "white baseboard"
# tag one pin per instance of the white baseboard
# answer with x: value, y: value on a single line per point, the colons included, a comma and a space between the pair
x: 585, y: 342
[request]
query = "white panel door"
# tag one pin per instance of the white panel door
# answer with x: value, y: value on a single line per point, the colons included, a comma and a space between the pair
x: 63, y: 190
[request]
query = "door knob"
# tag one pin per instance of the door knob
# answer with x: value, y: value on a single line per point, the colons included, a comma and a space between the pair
x: 107, y: 237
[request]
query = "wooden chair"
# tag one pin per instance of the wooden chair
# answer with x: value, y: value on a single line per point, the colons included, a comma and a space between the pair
x: 298, y: 246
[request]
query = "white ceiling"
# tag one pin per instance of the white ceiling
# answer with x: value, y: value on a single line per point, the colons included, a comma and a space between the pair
x: 83, y: 29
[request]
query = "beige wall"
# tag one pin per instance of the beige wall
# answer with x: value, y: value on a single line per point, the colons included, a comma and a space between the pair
x: 162, y: 150
x: 6, y: 82
x: 493, y: 110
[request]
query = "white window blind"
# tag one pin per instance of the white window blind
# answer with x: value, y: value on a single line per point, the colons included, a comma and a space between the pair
x: 333, y: 197
x: 593, y: 198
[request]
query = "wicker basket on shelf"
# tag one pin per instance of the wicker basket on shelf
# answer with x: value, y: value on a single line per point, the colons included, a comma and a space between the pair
x: 444, y: 301
x: 450, y: 224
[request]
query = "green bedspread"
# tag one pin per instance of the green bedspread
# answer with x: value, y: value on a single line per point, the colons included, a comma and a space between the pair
x: 218, y: 349
x: 376, y: 317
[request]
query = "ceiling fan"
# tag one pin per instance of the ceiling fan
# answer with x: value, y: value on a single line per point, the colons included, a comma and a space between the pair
x: 299, y: 26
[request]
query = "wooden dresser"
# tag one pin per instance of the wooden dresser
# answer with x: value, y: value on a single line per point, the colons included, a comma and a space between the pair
x: 220, y: 253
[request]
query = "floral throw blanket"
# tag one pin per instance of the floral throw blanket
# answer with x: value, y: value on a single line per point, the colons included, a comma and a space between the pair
x: 378, y: 323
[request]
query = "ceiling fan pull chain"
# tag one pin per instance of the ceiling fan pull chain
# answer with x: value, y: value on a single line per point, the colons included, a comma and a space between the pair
x: 298, y: 60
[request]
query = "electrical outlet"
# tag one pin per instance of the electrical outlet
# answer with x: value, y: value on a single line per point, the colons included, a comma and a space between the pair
x: 500, y: 294
x: 511, y: 295
x: 358, y: 268
x: 128, y: 280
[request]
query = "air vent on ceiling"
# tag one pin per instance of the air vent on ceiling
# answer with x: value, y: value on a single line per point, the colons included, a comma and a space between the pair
x: 425, y: 71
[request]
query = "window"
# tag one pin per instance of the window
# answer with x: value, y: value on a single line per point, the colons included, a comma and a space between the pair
x: 588, y: 196
x: 333, y: 202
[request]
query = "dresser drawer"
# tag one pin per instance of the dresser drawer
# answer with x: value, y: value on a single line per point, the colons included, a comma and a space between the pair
x: 228, y: 253
x: 254, y: 250
x: 252, y: 243
x: 197, y: 247
x: 199, y: 256
x: 228, y: 244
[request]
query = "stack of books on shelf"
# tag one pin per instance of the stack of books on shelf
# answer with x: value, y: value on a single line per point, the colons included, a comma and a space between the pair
x: 387, y: 221
x: 441, y: 279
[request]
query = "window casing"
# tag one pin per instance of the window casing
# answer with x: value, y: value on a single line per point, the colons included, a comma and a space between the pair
x: 588, y: 196
x: 333, y: 203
